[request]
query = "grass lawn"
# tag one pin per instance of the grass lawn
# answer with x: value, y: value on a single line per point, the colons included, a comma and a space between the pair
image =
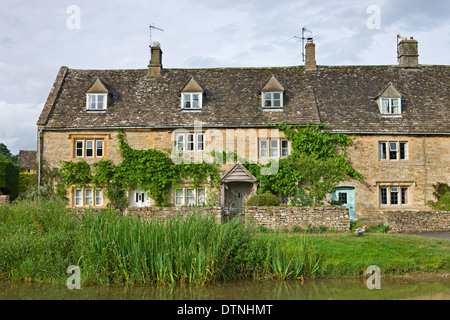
x: 349, y: 254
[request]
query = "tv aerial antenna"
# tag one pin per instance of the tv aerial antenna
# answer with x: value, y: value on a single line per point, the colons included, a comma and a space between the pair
x: 303, y: 38
x: 152, y: 26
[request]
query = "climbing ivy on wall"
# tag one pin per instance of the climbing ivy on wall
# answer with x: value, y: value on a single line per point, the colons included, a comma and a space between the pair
x: 149, y: 169
x: 317, y: 163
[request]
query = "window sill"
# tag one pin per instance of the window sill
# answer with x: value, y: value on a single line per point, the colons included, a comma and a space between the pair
x: 273, y: 109
x: 191, y: 110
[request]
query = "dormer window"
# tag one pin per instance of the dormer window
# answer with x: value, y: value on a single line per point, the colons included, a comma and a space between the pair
x: 273, y: 100
x: 272, y: 95
x: 192, y: 96
x: 97, y: 101
x: 389, y: 101
x: 192, y: 100
x: 391, y: 106
x: 97, y: 96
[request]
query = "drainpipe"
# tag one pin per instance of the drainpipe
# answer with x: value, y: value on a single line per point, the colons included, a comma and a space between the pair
x: 39, y: 163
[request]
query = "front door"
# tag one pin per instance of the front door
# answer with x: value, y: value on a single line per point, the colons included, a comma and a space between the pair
x: 139, y: 198
x: 346, y: 197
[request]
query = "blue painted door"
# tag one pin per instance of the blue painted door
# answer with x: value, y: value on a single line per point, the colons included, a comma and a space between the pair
x: 346, y: 196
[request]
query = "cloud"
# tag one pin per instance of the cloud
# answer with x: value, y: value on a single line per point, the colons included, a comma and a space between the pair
x: 18, y: 125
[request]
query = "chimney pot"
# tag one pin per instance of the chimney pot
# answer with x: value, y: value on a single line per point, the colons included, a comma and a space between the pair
x: 408, y: 53
x: 310, y: 55
x: 155, y: 65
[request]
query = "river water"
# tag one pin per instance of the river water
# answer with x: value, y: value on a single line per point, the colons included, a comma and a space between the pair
x: 437, y: 288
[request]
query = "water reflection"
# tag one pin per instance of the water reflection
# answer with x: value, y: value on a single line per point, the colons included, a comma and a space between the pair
x: 318, y: 289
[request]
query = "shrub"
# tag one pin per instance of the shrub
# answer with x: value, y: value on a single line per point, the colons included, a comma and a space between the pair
x: 264, y: 199
x: 440, y: 189
x: 443, y: 204
x: 9, y: 178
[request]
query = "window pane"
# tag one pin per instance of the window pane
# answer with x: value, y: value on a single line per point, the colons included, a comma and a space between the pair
x: 267, y: 99
x: 195, y: 100
x: 284, y: 148
x: 343, y: 198
x: 385, y: 105
x: 186, y: 100
x: 392, y: 150
x: 263, y: 148
x: 382, y: 150
x: 88, y: 197
x: 200, y: 144
x: 201, y: 198
x: 92, y: 101
x: 78, y: 197
x: 394, y: 195
x: 383, y: 195
x: 179, y: 195
x: 395, y: 105
x: 99, y: 197
x: 89, y: 148
x: 276, y: 96
x: 190, y: 197
x: 403, y: 150
x: 274, y: 148
x: 180, y: 142
x: 190, y: 142
x: 100, y: 102
x: 79, y: 148
x: 99, y: 148
x: 404, y: 195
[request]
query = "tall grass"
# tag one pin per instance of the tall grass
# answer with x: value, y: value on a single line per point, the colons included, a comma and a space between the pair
x: 39, y: 242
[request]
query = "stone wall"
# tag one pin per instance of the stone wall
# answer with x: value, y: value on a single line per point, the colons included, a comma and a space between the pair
x: 150, y: 213
x: 4, y: 199
x: 304, y: 217
x: 418, y: 221
x: 272, y: 217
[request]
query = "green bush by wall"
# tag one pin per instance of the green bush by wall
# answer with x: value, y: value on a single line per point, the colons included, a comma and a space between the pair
x: 264, y: 199
x: 9, y: 178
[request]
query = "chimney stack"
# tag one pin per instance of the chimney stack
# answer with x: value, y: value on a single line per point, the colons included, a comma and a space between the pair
x: 408, y: 53
x: 310, y: 55
x: 155, y: 66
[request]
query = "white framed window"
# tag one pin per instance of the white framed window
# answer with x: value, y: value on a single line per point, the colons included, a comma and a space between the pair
x: 201, y: 196
x: 89, y: 148
x: 190, y: 196
x: 273, y: 148
x: 180, y: 142
x: 391, y: 106
x: 190, y: 142
x: 394, y: 196
x: 88, y: 197
x: 263, y: 148
x: 191, y: 100
x: 284, y: 148
x: 78, y: 197
x: 393, y: 150
x: 88, y: 200
x: 179, y: 197
x: 79, y: 148
x: 99, y: 197
x: 96, y: 101
x: 272, y: 99
x: 99, y: 148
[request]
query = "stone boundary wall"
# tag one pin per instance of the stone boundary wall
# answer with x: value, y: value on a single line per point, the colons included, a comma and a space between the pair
x: 272, y: 217
x: 150, y: 213
x: 418, y: 221
x: 4, y: 199
x: 304, y: 217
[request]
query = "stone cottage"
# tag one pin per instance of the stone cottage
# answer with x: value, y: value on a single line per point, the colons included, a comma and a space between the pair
x: 399, y: 115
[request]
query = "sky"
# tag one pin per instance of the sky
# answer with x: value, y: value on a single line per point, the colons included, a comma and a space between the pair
x: 38, y: 37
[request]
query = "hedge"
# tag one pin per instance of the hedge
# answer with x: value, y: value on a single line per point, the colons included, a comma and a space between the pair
x: 9, y: 178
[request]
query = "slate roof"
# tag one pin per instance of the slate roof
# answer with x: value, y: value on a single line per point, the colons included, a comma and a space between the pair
x: 342, y: 96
